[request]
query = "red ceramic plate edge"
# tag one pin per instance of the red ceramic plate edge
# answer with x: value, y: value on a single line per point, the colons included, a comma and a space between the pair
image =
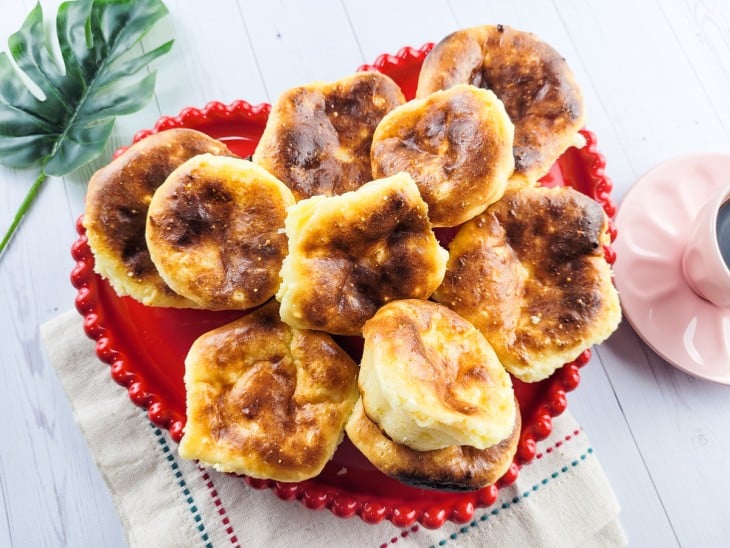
x: 371, y: 509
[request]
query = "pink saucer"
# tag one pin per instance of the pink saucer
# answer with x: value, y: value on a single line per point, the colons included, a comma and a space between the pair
x: 654, y: 223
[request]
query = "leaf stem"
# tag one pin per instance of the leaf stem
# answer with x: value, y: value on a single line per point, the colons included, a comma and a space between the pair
x: 22, y: 210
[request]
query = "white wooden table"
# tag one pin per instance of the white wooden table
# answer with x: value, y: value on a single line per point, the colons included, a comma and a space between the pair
x: 656, y: 76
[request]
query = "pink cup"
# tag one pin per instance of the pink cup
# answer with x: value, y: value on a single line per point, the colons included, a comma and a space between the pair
x: 706, y: 258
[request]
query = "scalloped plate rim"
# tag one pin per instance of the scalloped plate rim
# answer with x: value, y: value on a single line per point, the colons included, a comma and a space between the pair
x: 368, y: 507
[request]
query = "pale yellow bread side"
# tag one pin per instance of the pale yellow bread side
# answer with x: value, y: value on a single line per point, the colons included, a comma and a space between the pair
x: 117, y: 199
x: 266, y: 400
x: 350, y: 254
x: 214, y: 232
x: 530, y: 274
x: 457, y: 146
x: 429, y: 379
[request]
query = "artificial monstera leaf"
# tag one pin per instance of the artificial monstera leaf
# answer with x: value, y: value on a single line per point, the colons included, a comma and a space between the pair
x: 98, y: 80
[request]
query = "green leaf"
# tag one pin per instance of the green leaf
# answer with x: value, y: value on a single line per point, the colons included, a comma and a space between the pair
x: 79, y: 145
x: 96, y: 81
x: 70, y: 125
x: 29, y: 48
x: 23, y: 151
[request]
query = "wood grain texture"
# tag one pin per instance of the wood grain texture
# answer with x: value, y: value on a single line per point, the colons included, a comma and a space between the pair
x: 656, y: 77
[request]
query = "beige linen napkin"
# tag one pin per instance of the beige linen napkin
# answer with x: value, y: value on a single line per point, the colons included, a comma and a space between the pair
x: 561, y: 499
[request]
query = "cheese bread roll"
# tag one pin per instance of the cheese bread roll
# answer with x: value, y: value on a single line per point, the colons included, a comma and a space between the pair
x: 530, y: 274
x: 453, y: 468
x: 350, y: 254
x: 266, y: 400
x: 116, y: 212
x: 317, y: 138
x: 533, y: 81
x: 214, y: 231
x: 457, y: 146
x: 429, y: 379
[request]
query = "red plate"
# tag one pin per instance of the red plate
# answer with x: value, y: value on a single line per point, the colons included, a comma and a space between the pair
x: 146, y: 346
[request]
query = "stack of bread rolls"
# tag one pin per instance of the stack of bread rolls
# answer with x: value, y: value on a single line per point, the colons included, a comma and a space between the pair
x: 329, y: 230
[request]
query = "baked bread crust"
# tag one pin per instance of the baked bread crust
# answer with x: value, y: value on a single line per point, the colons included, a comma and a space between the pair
x: 530, y: 274
x: 351, y: 254
x: 317, y: 138
x: 266, y: 400
x: 429, y: 379
x: 117, y: 200
x: 214, y: 232
x: 533, y: 81
x: 457, y: 146
x: 453, y: 468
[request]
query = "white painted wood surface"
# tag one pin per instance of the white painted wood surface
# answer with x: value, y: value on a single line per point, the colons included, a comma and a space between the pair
x: 656, y: 77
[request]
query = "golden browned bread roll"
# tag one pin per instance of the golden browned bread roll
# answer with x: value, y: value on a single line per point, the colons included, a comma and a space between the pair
x: 530, y: 274
x: 533, y: 81
x: 317, y: 138
x: 266, y: 400
x: 350, y: 254
x: 215, y: 232
x: 453, y: 468
x: 116, y: 211
x: 430, y: 380
x: 457, y: 146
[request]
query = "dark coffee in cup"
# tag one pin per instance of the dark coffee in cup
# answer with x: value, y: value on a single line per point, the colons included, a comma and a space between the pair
x: 723, y: 231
